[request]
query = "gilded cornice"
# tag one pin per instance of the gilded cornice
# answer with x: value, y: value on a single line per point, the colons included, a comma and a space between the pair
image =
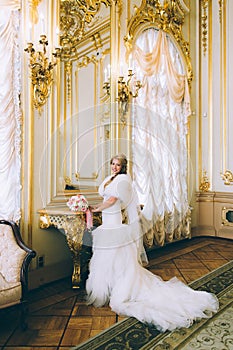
x: 168, y: 17
x: 75, y: 18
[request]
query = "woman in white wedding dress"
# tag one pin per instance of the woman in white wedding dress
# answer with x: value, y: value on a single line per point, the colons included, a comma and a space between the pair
x: 116, y: 273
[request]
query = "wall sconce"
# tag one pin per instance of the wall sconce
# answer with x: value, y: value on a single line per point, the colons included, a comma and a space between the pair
x: 127, y: 89
x: 41, y: 72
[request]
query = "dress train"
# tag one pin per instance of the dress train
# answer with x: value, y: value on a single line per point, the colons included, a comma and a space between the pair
x: 118, y: 278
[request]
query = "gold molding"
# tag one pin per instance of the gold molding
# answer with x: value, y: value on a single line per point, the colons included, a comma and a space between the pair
x: 204, y: 21
x: 210, y: 88
x: 68, y: 180
x: 226, y: 222
x: 93, y: 177
x: 168, y: 17
x: 226, y: 174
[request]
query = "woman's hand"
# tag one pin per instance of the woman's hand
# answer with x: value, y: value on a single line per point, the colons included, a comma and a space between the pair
x: 94, y: 208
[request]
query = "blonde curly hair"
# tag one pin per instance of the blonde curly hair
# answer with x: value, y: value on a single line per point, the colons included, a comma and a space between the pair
x: 123, y: 160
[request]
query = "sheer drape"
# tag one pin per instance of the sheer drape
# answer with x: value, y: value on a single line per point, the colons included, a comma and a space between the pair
x: 160, y: 151
x: 10, y: 114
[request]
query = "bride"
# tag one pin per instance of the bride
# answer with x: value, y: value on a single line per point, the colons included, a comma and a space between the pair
x: 116, y: 273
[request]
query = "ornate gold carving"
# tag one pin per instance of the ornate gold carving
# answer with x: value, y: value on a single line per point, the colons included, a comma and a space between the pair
x: 205, y: 184
x: 97, y: 41
x: 204, y: 18
x: 127, y: 89
x: 33, y: 11
x: 75, y: 15
x: 44, y: 221
x: 41, y: 72
x: 74, y: 226
x: 168, y: 17
x: 86, y: 60
x: 220, y: 4
x: 227, y: 177
x: 67, y: 180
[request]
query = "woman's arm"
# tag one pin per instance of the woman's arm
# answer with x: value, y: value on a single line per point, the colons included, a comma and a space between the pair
x: 104, y: 205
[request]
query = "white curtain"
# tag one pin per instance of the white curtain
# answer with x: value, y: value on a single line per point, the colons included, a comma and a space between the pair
x: 159, y: 138
x: 10, y: 113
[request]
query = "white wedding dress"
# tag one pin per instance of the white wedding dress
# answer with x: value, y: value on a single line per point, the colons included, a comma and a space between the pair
x: 118, y: 278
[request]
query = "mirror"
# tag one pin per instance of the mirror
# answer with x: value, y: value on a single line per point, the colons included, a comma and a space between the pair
x: 81, y: 137
x: 82, y: 134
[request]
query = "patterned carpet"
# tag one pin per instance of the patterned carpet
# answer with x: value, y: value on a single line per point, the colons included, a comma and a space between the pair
x: 215, y: 333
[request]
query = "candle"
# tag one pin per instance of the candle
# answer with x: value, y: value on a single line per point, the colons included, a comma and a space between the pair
x: 121, y: 70
x: 130, y: 61
x: 57, y: 36
x: 30, y: 32
x: 42, y: 23
x: 105, y: 75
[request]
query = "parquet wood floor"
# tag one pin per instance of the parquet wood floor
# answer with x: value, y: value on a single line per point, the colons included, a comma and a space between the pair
x: 60, y: 319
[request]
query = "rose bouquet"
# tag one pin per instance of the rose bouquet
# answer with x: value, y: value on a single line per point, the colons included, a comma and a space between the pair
x: 79, y: 203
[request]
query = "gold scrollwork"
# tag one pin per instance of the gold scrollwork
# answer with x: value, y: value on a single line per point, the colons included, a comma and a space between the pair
x: 205, y: 184
x: 74, y: 226
x: 67, y: 180
x: 227, y: 177
x: 204, y: 17
x: 75, y: 15
x: 41, y: 72
x: 86, y: 60
x: 168, y: 17
x: 44, y: 221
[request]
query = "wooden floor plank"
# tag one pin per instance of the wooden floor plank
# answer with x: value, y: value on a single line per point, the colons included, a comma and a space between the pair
x: 59, y: 317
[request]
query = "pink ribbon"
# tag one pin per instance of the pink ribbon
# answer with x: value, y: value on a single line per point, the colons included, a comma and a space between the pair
x: 89, y: 219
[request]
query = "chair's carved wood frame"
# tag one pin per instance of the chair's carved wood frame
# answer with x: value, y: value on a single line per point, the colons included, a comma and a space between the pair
x: 24, y: 268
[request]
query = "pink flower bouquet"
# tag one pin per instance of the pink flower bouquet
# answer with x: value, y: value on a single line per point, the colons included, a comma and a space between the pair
x: 78, y: 203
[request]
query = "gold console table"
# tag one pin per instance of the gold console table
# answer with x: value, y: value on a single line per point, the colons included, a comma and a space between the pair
x: 74, y: 226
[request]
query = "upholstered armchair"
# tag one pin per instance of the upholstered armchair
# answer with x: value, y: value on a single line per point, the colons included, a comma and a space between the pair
x: 15, y: 258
